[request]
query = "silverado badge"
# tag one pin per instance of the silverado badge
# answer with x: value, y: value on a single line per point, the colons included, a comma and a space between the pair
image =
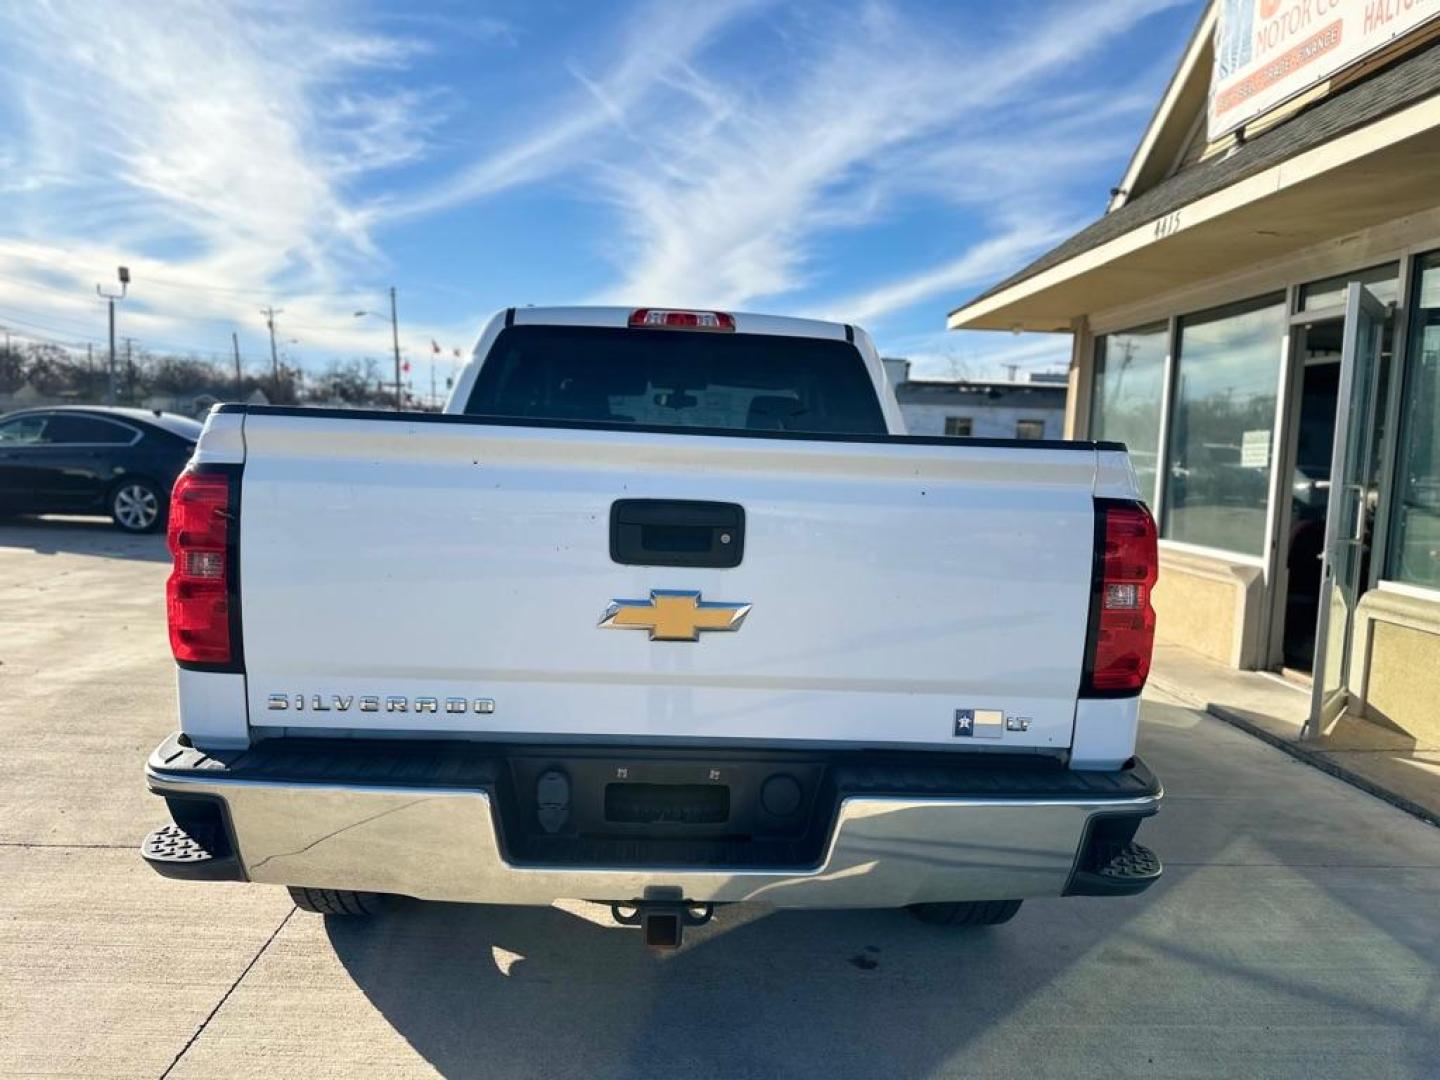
x: 673, y: 615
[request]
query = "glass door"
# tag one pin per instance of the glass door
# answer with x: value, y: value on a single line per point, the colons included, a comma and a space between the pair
x: 1351, y: 504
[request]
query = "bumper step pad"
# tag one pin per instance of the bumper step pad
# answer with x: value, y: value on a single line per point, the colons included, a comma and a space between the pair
x: 175, y: 853
x: 1131, y: 869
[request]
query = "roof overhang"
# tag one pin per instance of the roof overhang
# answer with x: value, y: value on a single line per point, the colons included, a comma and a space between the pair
x: 1182, y: 107
x: 1377, y: 173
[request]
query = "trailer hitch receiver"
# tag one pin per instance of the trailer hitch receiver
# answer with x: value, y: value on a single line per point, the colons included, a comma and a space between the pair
x: 662, y: 914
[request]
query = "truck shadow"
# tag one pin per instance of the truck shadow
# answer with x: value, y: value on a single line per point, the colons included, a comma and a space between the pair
x: 1286, y: 895
x: 81, y: 536
x: 500, y: 991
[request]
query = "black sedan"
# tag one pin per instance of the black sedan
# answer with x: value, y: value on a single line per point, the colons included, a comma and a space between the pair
x: 73, y: 460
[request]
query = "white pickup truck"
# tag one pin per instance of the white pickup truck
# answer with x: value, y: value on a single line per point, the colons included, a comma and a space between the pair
x: 662, y: 612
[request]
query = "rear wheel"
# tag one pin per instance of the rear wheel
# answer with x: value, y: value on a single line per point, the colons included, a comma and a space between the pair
x: 966, y: 912
x: 137, y: 505
x: 339, y: 901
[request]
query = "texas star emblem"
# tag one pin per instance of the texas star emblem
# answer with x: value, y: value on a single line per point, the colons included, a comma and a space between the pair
x: 672, y: 615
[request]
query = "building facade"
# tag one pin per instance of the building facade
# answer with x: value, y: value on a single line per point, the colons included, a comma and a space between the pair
x: 983, y: 410
x: 1257, y: 316
x: 979, y: 409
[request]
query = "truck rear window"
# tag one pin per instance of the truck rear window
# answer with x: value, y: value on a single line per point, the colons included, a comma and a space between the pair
x: 676, y: 378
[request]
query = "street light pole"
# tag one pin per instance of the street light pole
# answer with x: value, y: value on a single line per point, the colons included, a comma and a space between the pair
x: 124, y: 273
x: 395, y: 338
x: 395, y: 344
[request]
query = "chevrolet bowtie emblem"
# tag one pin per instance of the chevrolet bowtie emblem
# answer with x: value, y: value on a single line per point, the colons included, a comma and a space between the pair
x: 672, y: 616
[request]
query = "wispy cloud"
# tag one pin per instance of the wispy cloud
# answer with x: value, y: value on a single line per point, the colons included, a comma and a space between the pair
x: 728, y: 205
x: 211, y: 145
x: 985, y: 261
x: 210, y: 111
x: 235, y: 152
x: 660, y: 43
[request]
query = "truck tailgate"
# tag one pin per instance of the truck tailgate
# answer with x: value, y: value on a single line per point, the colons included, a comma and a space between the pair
x: 391, y: 568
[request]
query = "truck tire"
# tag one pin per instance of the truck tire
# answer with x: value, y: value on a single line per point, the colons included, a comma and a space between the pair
x: 338, y: 901
x: 966, y: 912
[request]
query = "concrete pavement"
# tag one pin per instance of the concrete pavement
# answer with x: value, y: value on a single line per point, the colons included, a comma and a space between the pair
x: 1296, y: 933
x: 1401, y: 768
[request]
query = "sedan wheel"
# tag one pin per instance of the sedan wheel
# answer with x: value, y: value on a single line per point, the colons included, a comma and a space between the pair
x: 135, y: 506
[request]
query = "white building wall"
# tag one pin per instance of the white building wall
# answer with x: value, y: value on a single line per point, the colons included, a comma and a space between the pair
x: 988, y: 421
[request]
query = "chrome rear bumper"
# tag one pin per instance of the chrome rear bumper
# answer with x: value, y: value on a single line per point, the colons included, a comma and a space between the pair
x: 439, y: 842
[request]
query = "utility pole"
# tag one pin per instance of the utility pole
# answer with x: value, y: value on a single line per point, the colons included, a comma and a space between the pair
x: 270, y: 313
x: 235, y: 340
x: 124, y: 272
x: 110, y: 388
x: 395, y: 337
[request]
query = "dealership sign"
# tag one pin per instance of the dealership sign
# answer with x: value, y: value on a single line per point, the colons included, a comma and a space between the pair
x: 1269, y: 50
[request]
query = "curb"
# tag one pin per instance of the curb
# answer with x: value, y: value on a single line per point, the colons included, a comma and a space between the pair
x: 1303, y: 753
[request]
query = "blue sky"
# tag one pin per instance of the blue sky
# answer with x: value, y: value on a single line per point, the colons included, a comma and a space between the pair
x: 877, y: 162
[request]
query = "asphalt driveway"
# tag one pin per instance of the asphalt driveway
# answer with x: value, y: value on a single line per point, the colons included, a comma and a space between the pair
x: 1296, y: 933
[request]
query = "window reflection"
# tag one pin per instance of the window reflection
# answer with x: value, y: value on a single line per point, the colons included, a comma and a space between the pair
x: 1414, y: 554
x: 1129, y: 377
x: 1222, y: 428
x: 1382, y: 281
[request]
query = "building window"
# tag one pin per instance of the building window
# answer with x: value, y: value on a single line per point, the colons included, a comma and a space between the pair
x: 1383, y: 281
x: 1030, y: 429
x: 1414, y: 550
x: 960, y: 426
x: 1125, y: 407
x: 1221, y: 427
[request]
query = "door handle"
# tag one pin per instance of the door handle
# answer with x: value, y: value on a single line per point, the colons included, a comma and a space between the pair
x: 677, y: 532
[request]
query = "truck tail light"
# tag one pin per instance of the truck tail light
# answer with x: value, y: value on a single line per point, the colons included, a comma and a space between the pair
x: 198, y: 595
x: 1122, y: 622
x: 669, y: 319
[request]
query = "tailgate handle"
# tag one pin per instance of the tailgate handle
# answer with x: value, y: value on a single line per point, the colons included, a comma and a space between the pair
x: 677, y: 532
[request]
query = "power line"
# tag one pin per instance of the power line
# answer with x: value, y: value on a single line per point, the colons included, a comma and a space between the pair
x: 357, y: 294
x: 42, y: 339
x: 81, y: 329
x: 50, y: 327
x: 40, y: 285
x: 186, y: 286
x: 196, y: 286
x: 83, y: 339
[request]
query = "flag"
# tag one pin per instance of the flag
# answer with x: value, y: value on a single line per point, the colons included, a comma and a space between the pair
x: 405, y: 367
